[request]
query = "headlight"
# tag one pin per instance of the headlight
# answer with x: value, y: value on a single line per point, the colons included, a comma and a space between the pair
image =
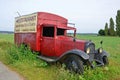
x: 88, y: 50
x: 100, y: 50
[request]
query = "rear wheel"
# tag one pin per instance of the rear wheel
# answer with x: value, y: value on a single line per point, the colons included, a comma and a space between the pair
x: 74, y: 64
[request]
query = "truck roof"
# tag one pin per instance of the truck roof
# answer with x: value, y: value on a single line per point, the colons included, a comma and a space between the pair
x: 28, y: 23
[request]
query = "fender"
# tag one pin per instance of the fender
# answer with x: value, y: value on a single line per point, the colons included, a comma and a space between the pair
x: 77, y: 52
x: 99, y: 56
x: 104, y: 53
x: 80, y: 53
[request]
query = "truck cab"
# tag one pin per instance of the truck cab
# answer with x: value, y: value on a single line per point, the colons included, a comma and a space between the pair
x: 58, y: 39
x: 50, y: 35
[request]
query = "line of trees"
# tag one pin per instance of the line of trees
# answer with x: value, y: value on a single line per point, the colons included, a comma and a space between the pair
x: 111, y: 29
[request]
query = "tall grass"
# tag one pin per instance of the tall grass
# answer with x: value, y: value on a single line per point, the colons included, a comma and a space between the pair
x: 23, y: 55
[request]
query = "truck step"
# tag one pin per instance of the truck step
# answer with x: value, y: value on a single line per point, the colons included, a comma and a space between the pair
x: 47, y: 59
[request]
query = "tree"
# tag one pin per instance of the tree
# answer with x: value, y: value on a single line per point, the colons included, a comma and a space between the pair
x: 118, y: 23
x: 106, y: 29
x: 112, y: 31
x: 101, y: 32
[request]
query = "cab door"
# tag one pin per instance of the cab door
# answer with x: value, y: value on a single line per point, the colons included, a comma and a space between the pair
x: 48, y: 41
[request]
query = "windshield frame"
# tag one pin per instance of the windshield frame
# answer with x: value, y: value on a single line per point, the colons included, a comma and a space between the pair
x: 67, y: 28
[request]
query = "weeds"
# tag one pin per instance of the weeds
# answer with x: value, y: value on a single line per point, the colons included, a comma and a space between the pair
x: 24, y: 55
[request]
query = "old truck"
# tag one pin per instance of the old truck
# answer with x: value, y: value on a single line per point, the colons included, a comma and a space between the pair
x: 50, y: 35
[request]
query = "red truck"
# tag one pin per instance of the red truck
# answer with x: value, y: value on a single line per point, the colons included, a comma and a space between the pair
x: 49, y: 34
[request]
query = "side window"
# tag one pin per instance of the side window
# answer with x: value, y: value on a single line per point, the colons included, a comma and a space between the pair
x: 48, y: 31
x: 60, y: 31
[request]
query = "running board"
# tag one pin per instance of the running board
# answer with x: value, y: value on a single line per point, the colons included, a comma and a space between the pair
x: 47, y: 59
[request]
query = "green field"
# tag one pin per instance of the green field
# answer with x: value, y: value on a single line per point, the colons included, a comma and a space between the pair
x: 25, y: 63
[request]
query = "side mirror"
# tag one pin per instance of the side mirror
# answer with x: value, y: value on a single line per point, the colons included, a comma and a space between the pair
x: 101, y: 42
x: 90, y: 40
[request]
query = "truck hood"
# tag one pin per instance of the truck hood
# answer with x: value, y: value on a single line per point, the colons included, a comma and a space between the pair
x: 78, y: 44
x: 65, y: 38
x: 81, y: 41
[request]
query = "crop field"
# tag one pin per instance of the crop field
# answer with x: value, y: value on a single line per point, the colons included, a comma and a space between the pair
x: 24, y: 62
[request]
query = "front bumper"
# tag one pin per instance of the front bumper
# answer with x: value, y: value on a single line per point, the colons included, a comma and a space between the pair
x: 96, y: 59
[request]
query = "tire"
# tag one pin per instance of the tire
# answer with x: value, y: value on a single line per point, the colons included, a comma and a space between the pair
x: 74, y: 64
x: 105, y: 60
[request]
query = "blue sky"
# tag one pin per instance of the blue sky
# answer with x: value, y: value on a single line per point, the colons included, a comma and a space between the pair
x: 88, y: 15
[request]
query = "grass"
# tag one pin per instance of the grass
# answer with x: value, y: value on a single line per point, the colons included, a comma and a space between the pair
x: 25, y: 62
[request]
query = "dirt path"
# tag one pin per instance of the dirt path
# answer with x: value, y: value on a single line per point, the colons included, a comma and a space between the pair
x: 6, y: 74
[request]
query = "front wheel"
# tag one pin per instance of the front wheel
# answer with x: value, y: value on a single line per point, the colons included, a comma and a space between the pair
x: 105, y: 60
x: 74, y: 64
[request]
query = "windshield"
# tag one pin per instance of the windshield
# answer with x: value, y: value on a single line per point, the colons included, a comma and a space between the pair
x: 70, y: 33
x: 66, y: 31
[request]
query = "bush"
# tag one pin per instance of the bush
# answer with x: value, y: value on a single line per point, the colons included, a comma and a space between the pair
x: 101, y: 32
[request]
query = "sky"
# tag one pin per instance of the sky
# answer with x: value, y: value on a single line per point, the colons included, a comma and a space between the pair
x: 88, y: 15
